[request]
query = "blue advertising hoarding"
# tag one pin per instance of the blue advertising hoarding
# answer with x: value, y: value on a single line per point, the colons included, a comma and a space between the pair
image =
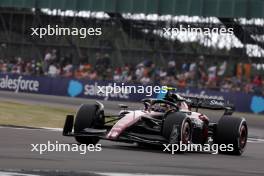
x: 91, y: 89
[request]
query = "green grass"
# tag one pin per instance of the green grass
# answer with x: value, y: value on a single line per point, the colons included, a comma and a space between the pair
x: 32, y: 115
x: 35, y: 115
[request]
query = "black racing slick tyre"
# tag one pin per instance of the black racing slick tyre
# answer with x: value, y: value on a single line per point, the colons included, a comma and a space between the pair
x: 177, y: 128
x: 87, y: 116
x: 232, y: 131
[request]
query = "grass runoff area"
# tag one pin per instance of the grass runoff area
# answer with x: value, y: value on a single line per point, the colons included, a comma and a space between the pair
x: 32, y: 115
x: 41, y: 115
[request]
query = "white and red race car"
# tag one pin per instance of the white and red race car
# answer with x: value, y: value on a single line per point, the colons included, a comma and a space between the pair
x: 160, y: 121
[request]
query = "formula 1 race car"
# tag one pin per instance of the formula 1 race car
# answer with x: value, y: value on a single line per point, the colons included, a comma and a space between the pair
x: 169, y: 120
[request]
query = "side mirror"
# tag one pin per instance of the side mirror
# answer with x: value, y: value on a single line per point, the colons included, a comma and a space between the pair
x: 229, y: 110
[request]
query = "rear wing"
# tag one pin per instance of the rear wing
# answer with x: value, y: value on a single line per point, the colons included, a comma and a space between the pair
x: 209, y: 103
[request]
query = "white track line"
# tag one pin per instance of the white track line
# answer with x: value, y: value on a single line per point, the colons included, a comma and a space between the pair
x: 255, y: 140
x: 15, y: 174
x: 38, y: 128
x: 132, y: 174
x: 100, y: 173
x: 51, y: 129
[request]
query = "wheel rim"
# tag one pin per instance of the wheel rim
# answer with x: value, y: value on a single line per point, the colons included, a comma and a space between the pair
x: 186, y: 130
x: 243, y: 136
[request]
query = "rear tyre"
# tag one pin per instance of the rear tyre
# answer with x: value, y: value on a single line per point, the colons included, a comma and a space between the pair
x: 87, y: 116
x: 234, y: 131
x: 177, y: 128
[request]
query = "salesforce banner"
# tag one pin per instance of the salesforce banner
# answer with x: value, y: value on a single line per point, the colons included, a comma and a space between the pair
x: 73, y: 87
x: 109, y: 90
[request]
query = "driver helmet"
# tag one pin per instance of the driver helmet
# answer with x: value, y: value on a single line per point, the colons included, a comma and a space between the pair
x: 161, y: 107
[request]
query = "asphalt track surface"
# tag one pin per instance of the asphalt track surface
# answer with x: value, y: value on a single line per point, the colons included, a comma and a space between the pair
x: 16, y: 154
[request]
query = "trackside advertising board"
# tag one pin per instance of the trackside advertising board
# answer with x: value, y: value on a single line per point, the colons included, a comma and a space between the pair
x: 91, y: 89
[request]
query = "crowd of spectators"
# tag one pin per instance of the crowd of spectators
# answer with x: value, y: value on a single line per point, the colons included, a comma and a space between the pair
x: 196, y: 74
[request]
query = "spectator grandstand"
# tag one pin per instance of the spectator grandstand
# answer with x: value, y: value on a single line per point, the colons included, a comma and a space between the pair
x: 133, y: 48
x: 241, y: 77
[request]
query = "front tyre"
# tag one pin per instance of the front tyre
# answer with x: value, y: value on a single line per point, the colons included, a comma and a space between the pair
x: 234, y: 131
x: 87, y: 116
x: 177, y: 128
